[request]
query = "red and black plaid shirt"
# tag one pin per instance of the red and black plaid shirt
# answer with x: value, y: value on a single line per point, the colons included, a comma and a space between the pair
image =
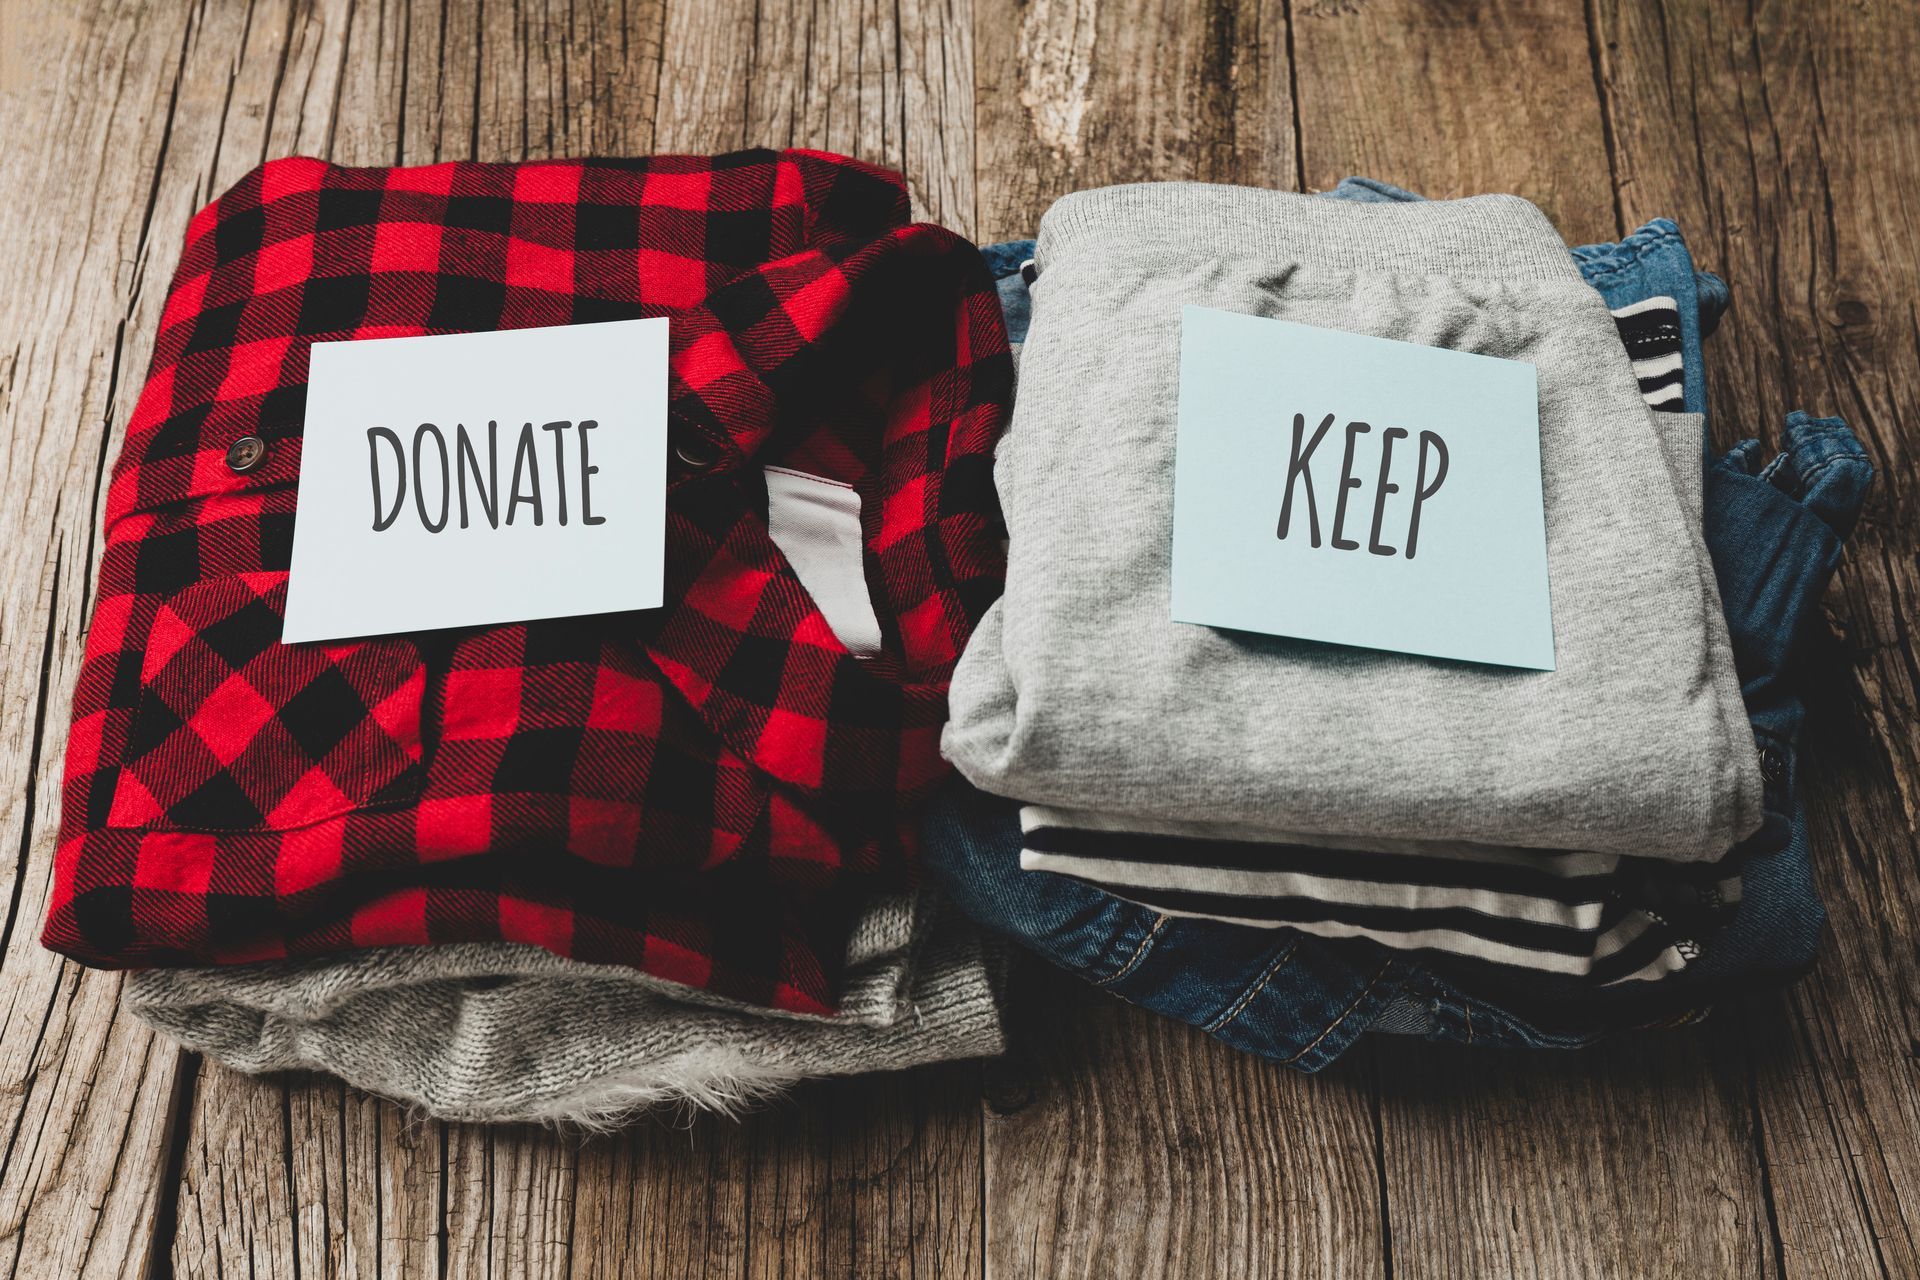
x: 698, y: 791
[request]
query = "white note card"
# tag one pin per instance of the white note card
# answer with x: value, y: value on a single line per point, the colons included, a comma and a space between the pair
x: 476, y: 478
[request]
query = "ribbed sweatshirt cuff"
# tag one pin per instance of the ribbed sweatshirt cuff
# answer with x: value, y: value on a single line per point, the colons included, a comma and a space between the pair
x: 1493, y: 237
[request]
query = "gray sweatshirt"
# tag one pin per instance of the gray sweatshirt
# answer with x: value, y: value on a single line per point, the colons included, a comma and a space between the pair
x: 1079, y: 691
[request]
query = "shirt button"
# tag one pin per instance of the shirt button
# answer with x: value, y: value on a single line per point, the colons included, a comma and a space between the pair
x: 695, y: 453
x: 1773, y: 765
x: 246, y: 453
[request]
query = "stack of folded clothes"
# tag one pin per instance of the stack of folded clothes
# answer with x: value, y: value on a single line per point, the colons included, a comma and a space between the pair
x: 1288, y: 844
x: 558, y: 868
x: 562, y: 869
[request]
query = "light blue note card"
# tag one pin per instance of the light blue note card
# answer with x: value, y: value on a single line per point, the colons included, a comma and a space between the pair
x: 1359, y: 491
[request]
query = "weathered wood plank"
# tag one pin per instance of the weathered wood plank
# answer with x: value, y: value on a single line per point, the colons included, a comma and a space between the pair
x: 890, y: 84
x: 863, y: 1177
x: 675, y: 1198
x: 704, y: 94
x: 1080, y: 93
x: 937, y: 73
x: 367, y: 1182
x: 827, y: 75
x: 1516, y: 1164
x: 858, y: 1176
x: 904, y: 1182
x: 297, y: 1175
x: 509, y: 1203
x: 87, y: 101
x: 1781, y: 139
x: 236, y: 1196
x: 565, y: 79
x: 1456, y: 99
x: 1124, y: 1144
x: 1632, y: 1159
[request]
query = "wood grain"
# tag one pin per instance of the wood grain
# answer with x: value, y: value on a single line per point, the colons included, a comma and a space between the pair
x: 1456, y: 99
x: 1778, y: 1139
x: 873, y: 1177
x: 1631, y: 1159
x: 671, y: 1198
x: 1082, y: 93
x: 1122, y: 1144
x: 1778, y: 134
x: 297, y: 1176
x: 85, y: 1096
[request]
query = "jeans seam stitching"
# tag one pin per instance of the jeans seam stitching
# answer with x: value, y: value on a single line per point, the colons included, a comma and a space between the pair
x: 1139, y: 954
x: 1372, y: 983
x: 1246, y: 997
x: 1655, y: 240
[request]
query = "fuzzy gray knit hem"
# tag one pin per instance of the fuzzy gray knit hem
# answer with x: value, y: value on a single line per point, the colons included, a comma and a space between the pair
x: 507, y: 1032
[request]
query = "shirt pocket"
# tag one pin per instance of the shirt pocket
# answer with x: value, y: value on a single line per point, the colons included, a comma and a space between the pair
x: 234, y: 731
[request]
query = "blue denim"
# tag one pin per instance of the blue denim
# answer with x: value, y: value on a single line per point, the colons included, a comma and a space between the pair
x: 1004, y: 260
x: 1273, y: 992
x: 1774, y: 533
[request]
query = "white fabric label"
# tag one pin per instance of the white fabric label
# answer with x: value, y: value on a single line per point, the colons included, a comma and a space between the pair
x: 816, y: 524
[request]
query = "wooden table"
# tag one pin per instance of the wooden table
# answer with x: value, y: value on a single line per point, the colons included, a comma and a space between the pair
x: 1778, y: 1139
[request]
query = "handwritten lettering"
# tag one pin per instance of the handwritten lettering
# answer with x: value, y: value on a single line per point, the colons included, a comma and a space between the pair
x: 1430, y: 472
x: 443, y: 471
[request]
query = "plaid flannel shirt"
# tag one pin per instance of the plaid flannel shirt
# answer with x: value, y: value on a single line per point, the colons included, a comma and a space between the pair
x: 698, y: 791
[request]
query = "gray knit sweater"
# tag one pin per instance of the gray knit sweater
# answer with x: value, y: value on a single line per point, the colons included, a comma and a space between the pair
x: 504, y: 1032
